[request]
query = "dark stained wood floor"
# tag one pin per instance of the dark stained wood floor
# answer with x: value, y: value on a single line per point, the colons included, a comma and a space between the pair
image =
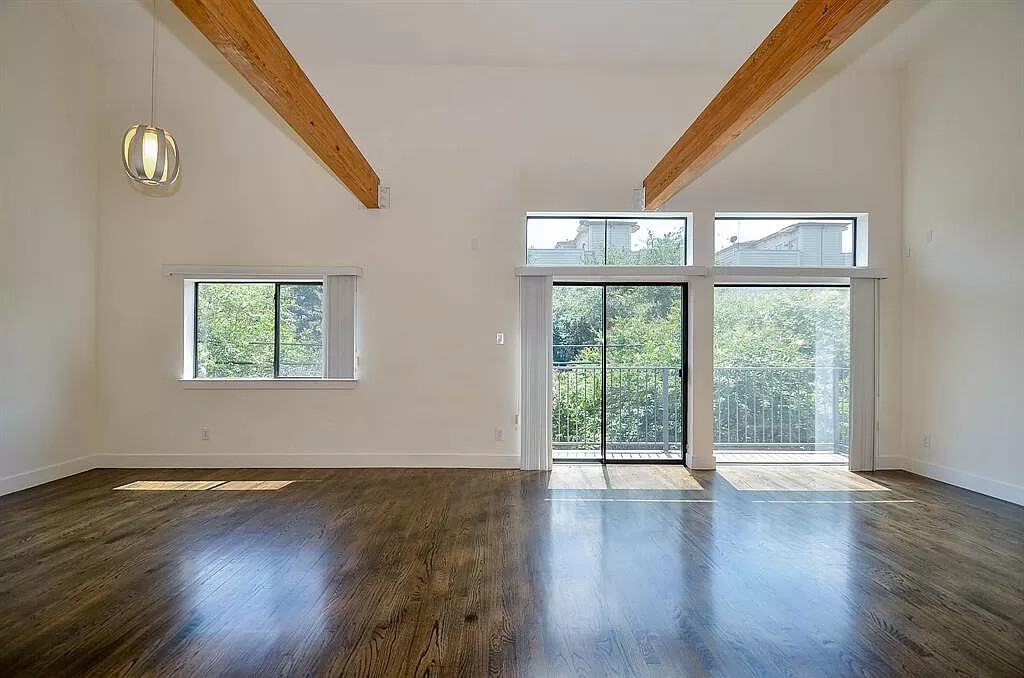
x: 475, y: 573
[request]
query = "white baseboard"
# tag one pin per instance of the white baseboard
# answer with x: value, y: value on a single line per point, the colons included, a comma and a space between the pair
x: 46, y: 474
x: 891, y: 462
x: 306, y: 460
x: 968, y: 481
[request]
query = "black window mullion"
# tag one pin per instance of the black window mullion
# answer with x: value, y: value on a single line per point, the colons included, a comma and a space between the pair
x: 277, y: 330
x: 195, y: 331
x: 604, y: 359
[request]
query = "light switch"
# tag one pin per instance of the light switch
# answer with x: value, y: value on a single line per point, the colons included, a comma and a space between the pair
x: 499, y: 339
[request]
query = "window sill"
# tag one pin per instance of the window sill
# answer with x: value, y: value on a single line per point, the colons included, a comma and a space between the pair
x: 270, y: 384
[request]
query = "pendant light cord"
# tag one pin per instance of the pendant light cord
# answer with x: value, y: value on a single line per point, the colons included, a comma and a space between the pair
x: 152, y: 81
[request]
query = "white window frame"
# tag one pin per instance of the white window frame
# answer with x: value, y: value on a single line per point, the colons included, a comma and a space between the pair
x: 687, y: 217
x: 701, y: 276
x: 340, y: 319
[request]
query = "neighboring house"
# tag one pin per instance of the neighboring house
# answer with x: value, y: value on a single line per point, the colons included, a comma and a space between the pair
x: 809, y: 243
x: 590, y: 235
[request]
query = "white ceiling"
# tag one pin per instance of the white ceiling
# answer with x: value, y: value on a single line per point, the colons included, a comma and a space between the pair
x: 527, y: 32
x: 600, y: 33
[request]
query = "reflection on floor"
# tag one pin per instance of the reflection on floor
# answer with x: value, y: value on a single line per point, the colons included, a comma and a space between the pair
x: 253, y: 485
x: 199, y: 485
x: 778, y: 457
x: 769, y: 478
x: 624, y: 477
x: 796, y: 478
x: 171, y: 485
x: 477, y: 572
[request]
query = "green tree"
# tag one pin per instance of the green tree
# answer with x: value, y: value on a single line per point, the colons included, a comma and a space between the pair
x: 235, y: 330
x: 774, y: 348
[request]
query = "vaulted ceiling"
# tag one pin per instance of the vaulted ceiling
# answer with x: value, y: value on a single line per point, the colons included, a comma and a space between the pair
x: 551, y: 33
x: 604, y: 33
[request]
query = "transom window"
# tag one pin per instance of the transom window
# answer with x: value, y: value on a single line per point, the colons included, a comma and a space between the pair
x: 622, y: 240
x: 779, y: 241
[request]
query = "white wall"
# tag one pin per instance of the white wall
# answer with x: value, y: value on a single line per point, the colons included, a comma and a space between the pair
x: 467, y: 151
x: 963, y: 149
x: 49, y: 99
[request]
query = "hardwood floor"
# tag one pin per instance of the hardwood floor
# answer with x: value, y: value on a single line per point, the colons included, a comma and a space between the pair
x: 382, y: 572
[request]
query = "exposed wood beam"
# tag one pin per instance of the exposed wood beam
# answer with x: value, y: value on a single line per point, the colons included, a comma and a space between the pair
x: 243, y: 35
x: 808, y: 33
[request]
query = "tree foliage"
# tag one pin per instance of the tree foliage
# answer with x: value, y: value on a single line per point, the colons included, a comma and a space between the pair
x: 781, y: 364
x: 235, y: 335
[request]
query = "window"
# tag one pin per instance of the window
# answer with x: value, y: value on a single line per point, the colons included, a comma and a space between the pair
x: 779, y: 241
x: 624, y: 240
x: 269, y: 327
x: 258, y: 330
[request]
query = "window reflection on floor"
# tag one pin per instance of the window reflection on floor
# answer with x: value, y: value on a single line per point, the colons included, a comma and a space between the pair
x: 796, y: 479
x: 253, y: 485
x: 624, y: 477
x: 199, y: 485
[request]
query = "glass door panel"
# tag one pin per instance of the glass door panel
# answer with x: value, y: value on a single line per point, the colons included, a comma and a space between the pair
x: 643, y: 373
x: 577, y: 374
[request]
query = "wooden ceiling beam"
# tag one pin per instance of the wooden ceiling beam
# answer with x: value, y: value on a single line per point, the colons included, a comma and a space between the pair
x: 808, y: 33
x: 243, y: 35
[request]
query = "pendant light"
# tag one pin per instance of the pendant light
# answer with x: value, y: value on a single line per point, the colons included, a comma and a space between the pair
x: 150, y: 154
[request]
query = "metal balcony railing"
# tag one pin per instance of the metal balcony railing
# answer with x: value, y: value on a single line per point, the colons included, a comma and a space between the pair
x: 644, y: 407
x: 764, y: 408
x: 782, y: 408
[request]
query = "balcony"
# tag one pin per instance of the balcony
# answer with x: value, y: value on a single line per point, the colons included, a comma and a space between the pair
x: 761, y: 414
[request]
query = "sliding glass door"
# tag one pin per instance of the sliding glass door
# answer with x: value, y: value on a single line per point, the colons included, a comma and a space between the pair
x: 577, y: 377
x: 782, y: 374
x: 643, y: 409
x: 618, y: 392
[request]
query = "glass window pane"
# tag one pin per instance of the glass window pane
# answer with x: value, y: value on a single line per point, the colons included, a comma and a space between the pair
x: 301, y: 333
x: 784, y: 242
x: 581, y: 241
x: 577, y: 341
x: 782, y: 374
x: 564, y: 241
x: 643, y: 394
x: 646, y: 242
x: 234, y: 330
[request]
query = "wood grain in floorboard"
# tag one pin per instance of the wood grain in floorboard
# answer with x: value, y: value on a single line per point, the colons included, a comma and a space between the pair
x: 395, y: 572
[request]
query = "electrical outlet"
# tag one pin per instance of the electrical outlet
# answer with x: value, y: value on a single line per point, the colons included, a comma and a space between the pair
x: 499, y: 434
x: 927, y: 439
x: 204, y: 434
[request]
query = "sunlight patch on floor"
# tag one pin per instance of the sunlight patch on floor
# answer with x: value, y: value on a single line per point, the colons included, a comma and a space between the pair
x: 616, y: 500
x: 796, y: 479
x: 833, y: 501
x: 253, y: 485
x: 200, y: 485
x: 624, y: 477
